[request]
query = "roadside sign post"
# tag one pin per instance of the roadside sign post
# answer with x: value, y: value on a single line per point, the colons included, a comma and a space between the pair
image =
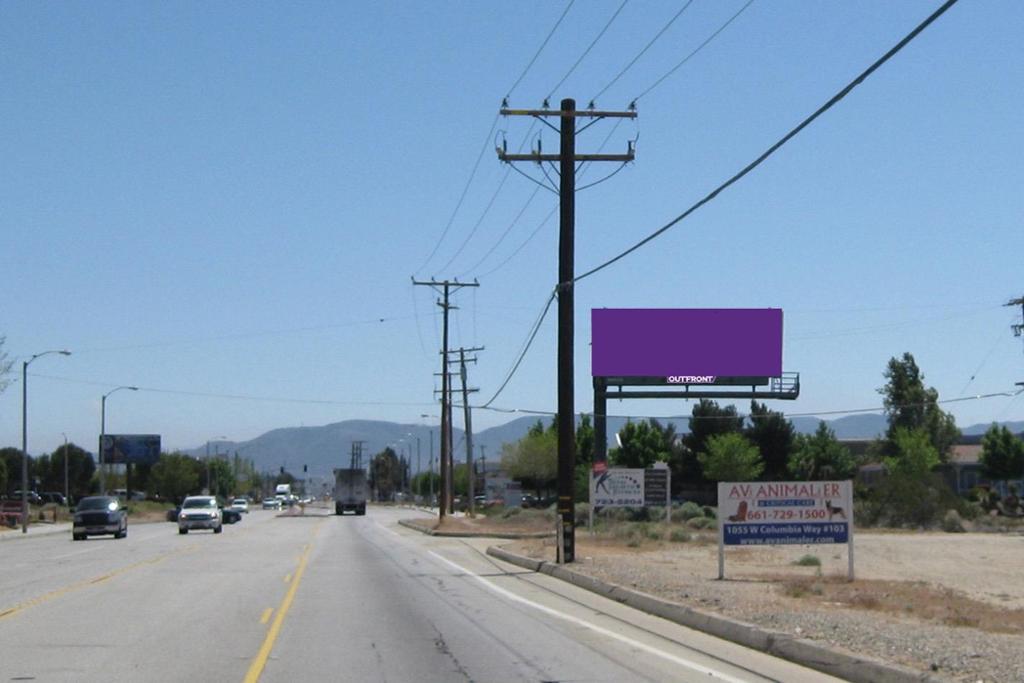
x: 785, y: 513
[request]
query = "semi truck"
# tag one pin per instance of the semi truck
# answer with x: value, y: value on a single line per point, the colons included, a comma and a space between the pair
x: 350, y: 491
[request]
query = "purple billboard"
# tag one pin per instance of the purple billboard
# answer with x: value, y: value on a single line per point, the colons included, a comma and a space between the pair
x: 686, y: 345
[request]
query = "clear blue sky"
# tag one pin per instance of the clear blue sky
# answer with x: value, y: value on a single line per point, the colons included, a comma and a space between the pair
x: 223, y: 203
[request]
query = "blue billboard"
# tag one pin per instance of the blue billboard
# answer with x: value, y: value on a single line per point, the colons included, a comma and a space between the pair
x: 135, y: 449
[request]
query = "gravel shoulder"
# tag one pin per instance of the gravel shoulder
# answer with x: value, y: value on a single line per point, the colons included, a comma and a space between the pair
x: 948, y: 604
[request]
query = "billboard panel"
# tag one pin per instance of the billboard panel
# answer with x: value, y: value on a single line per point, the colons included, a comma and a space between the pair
x: 137, y: 449
x: 785, y: 513
x: 686, y: 345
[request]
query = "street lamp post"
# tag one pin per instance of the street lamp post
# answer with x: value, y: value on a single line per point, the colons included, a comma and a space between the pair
x: 431, y: 468
x: 24, y: 435
x: 103, y: 433
x: 67, y: 497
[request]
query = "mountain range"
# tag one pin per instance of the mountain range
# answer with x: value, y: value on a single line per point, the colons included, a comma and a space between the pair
x: 316, y: 451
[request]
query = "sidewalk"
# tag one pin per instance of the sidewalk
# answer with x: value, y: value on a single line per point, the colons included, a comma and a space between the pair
x: 35, y: 529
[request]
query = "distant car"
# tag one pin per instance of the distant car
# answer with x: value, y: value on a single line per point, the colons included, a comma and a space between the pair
x: 200, y: 512
x: 33, y: 497
x: 240, y: 504
x: 53, y: 497
x: 271, y: 504
x: 230, y: 515
x: 172, y: 514
x: 99, y: 515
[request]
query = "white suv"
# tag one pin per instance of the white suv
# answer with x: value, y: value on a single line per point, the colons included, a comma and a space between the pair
x: 200, y: 512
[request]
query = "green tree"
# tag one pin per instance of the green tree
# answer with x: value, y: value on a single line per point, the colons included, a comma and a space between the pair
x: 820, y: 457
x: 219, y: 477
x: 81, y: 469
x: 176, y: 475
x: 913, y: 456
x: 909, y: 405
x: 421, y: 483
x: 3, y: 475
x: 585, y: 441
x: 533, y: 460
x: 774, y: 437
x: 731, y: 457
x: 12, y: 461
x: 707, y: 420
x: 643, y: 444
x: 1002, y: 454
x: 386, y: 474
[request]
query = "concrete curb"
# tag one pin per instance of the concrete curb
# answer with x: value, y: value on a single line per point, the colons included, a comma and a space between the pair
x: 848, y: 666
x: 474, y: 534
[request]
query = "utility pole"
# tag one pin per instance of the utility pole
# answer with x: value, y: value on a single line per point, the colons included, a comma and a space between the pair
x: 356, y: 458
x: 1018, y: 329
x: 567, y: 159
x: 467, y: 412
x: 446, y: 288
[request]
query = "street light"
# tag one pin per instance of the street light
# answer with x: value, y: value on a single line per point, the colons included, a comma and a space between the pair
x: 103, y: 433
x: 67, y: 497
x: 24, y: 435
x: 431, y: 475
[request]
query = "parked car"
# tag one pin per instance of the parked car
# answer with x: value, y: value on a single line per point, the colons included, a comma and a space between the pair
x: 53, y: 497
x: 240, y: 504
x: 200, y: 512
x: 99, y: 515
x: 33, y: 497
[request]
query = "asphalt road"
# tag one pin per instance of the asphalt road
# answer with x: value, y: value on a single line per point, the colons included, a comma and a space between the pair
x: 326, y: 598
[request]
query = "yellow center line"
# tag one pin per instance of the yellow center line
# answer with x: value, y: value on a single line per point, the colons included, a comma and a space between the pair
x: 260, y: 661
x: 86, y: 583
x: 266, y: 615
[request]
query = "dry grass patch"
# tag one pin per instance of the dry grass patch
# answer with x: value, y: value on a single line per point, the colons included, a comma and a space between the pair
x: 905, y: 598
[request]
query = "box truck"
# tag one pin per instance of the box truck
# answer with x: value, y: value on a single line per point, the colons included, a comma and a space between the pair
x: 350, y: 491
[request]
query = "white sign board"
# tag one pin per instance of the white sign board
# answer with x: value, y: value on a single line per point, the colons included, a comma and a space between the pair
x: 504, y: 491
x: 617, y: 487
x: 784, y: 513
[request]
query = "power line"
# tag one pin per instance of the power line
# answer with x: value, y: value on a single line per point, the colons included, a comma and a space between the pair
x: 238, y: 397
x: 487, y: 208
x: 641, y: 53
x: 242, y: 335
x: 526, y: 347
x: 508, y: 94
x: 587, y: 51
x: 695, y: 51
x: 501, y: 239
x: 462, y: 197
x: 771, y: 150
x: 525, y: 242
x: 1015, y: 395
x: 479, y: 221
x: 487, y: 140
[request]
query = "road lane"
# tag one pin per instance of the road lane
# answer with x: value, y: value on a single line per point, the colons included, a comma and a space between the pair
x: 194, y: 614
x: 378, y: 604
x: 322, y: 597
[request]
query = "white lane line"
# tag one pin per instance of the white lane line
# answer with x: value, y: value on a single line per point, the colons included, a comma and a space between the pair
x: 693, y: 666
x: 393, y: 533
